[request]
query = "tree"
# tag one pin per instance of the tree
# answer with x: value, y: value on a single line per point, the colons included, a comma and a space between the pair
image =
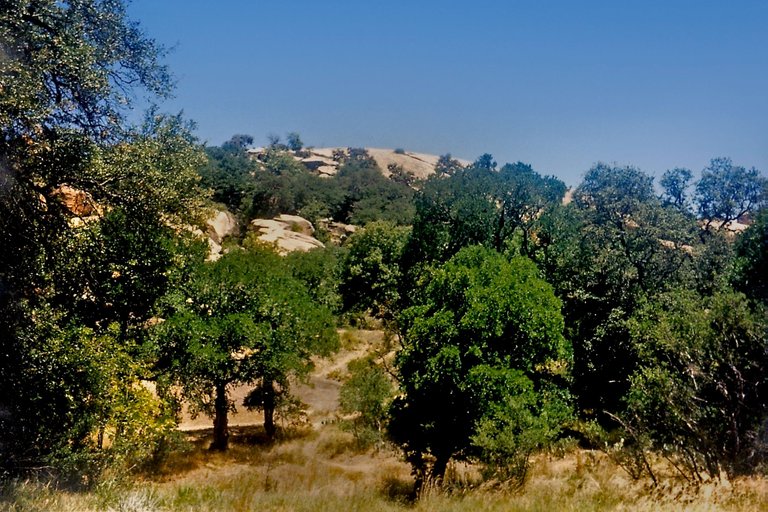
x: 366, y: 393
x: 726, y: 192
x: 699, y: 393
x: 479, y: 205
x: 238, y: 143
x: 613, y: 246
x: 523, y: 196
x: 675, y: 183
x: 320, y: 272
x: 274, y: 142
x: 485, y: 161
x: 371, y: 274
x: 481, y: 366
x: 293, y: 141
x: 399, y: 175
x: 228, y: 172
x: 752, y: 259
x: 241, y: 320
x: 73, y: 293
x: 447, y: 166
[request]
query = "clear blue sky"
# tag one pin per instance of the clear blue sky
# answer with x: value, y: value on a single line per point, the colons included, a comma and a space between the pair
x: 557, y: 84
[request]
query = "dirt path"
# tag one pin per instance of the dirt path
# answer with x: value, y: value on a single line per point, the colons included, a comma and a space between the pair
x: 320, y: 393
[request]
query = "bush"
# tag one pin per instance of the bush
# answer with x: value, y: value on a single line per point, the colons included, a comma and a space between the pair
x: 700, y: 394
x: 366, y: 394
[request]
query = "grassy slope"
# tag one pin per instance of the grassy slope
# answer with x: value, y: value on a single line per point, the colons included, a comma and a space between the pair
x: 317, y: 467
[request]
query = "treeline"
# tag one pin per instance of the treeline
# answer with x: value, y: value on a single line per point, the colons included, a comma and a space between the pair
x: 629, y: 320
x: 277, y: 182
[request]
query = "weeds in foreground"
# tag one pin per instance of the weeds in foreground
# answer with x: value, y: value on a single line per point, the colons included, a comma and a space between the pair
x: 319, y: 471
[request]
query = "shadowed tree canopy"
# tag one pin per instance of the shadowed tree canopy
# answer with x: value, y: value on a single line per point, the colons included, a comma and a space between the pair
x: 675, y: 183
x: 86, y: 198
x: 479, y: 205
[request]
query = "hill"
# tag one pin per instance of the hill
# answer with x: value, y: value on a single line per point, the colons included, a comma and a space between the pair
x: 326, y: 161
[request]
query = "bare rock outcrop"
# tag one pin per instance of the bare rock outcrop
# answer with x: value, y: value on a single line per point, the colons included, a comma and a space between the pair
x: 221, y: 225
x: 288, y: 232
x: 76, y: 201
x: 325, y: 162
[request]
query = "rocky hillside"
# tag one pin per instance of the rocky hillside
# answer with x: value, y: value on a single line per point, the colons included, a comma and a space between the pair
x: 325, y: 161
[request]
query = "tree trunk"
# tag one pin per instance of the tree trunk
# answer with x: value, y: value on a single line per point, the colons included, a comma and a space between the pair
x: 438, y: 470
x: 220, y: 422
x: 269, y: 409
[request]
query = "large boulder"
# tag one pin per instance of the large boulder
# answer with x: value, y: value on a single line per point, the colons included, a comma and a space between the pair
x: 287, y: 232
x: 221, y: 225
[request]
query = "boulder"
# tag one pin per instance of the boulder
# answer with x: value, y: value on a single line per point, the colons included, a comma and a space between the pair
x: 297, y: 224
x: 287, y: 232
x: 78, y: 202
x: 221, y: 225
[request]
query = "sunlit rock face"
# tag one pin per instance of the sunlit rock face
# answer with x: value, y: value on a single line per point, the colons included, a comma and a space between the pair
x: 287, y: 232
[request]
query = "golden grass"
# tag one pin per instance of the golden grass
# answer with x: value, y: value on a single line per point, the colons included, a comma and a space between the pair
x: 321, y: 470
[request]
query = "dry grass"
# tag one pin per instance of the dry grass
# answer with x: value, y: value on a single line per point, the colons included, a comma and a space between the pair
x: 318, y: 470
x: 319, y: 467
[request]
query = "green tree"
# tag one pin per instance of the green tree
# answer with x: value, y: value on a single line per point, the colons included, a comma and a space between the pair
x: 293, y: 141
x: 73, y: 289
x: 725, y: 191
x: 675, y: 183
x: 366, y: 393
x: 320, y: 272
x: 752, y: 259
x: 447, y: 165
x: 699, y: 393
x: 481, y: 366
x: 371, y: 274
x: 242, y: 320
x: 480, y: 205
x: 613, y: 246
x: 238, y: 143
x: 523, y: 196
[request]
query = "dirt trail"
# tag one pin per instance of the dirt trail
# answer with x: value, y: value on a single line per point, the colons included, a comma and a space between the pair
x: 320, y: 393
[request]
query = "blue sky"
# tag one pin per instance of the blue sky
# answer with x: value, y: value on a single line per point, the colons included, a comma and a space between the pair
x: 557, y: 84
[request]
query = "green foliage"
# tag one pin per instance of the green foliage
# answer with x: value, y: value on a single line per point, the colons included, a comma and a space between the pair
x: 371, y: 275
x: 238, y: 143
x: 244, y: 320
x: 83, y: 401
x: 725, y: 191
x: 486, y: 332
x: 615, y: 244
x: 366, y: 393
x: 399, y: 175
x: 518, y: 421
x: 447, y: 166
x: 369, y: 196
x: 72, y: 65
x: 699, y: 393
x: 293, y: 141
x: 752, y: 259
x: 479, y: 205
x: 228, y: 173
x: 320, y: 272
x: 86, y: 250
x: 279, y: 183
x: 675, y: 183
